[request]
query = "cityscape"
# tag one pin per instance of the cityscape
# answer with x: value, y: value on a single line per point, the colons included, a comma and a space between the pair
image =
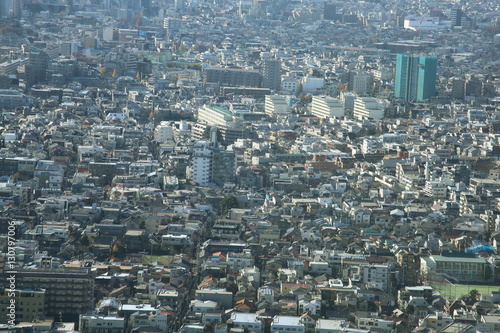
x: 249, y: 166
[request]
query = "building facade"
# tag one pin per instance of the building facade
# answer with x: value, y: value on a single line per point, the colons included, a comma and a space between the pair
x: 415, y: 77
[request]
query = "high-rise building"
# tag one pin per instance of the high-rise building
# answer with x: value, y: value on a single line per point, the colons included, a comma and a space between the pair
x: 271, y: 74
x: 329, y: 11
x: 415, y: 77
x: 456, y: 15
x: 212, y: 164
x: 11, y: 8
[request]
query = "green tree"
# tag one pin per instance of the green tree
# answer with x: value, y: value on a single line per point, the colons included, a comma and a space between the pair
x: 474, y: 294
x: 227, y: 203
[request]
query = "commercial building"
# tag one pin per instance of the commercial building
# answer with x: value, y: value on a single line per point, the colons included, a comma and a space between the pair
x: 415, y: 77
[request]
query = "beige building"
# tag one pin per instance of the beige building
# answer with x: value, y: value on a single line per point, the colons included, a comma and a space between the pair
x: 29, y: 304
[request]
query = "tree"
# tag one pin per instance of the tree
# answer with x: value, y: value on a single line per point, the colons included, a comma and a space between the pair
x: 474, y: 294
x: 118, y: 250
x: 84, y: 241
x: 227, y: 203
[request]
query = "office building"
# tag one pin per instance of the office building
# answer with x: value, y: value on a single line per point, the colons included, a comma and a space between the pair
x: 271, y: 74
x: 327, y: 107
x: 415, y: 77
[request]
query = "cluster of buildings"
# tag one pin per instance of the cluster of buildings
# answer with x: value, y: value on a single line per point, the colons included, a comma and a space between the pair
x: 249, y: 166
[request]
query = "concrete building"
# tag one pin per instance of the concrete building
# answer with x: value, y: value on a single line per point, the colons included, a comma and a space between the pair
x: 462, y: 268
x: 425, y: 23
x: 287, y: 324
x: 30, y: 304
x: 11, y: 99
x: 271, y: 74
x: 101, y: 324
x: 327, y: 107
x: 249, y: 321
x: 368, y: 323
x: 376, y: 276
x: 211, y: 164
x: 234, y: 77
x: 68, y: 291
x: 276, y: 104
x: 362, y: 83
x: 330, y: 326
x: 164, y: 132
x: 219, y: 116
x: 415, y: 77
x: 370, y: 108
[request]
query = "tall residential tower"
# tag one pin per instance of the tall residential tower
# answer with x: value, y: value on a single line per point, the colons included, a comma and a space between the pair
x: 415, y: 77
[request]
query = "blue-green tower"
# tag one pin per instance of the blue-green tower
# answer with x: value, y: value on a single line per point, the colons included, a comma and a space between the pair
x: 415, y: 77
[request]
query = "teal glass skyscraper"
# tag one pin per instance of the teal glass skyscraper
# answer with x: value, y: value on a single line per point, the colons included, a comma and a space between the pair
x: 415, y: 77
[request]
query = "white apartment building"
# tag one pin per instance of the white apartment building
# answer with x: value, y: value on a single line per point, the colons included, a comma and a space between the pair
x: 250, y: 321
x: 218, y: 116
x: 276, y: 104
x: 202, y: 163
x: 98, y: 324
x: 376, y: 276
x: 290, y: 84
x: 327, y: 107
x: 237, y: 261
x: 370, y: 108
x: 330, y: 326
x: 164, y: 132
x: 287, y: 324
x: 368, y: 323
x: 436, y: 189
x: 154, y: 319
x: 370, y: 145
